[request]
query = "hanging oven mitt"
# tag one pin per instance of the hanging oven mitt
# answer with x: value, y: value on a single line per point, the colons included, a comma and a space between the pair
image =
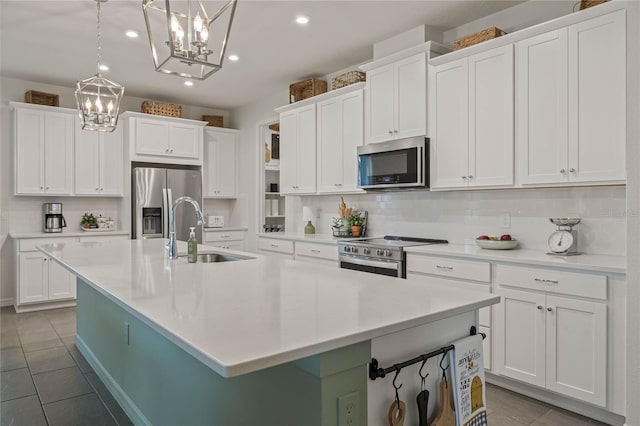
x: 423, y: 402
x: 397, y: 412
x: 467, y: 377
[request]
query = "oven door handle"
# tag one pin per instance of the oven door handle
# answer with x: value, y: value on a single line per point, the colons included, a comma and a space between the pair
x: 372, y: 263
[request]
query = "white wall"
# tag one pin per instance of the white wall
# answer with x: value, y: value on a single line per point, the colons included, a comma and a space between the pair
x: 23, y: 214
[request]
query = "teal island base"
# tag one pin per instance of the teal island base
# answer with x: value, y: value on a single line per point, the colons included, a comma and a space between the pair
x: 158, y: 383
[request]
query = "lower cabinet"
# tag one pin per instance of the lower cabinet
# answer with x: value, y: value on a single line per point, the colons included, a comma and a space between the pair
x: 317, y: 253
x: 230, y: 240
x: 548, y: 340
x: 41, y: 279
x: 275, y: 247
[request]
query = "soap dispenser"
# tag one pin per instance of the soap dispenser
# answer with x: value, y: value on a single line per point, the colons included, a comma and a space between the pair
x: 192, y: 246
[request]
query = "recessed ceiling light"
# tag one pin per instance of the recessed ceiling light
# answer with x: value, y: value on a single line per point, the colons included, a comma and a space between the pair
x: 302, y: 20
x: 132, y: 34
x: 188, y: 83
x: 233, y: 57
x: 103, y: 67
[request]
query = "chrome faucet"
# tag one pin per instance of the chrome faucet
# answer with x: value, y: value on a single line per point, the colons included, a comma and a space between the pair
x: 172, y: 245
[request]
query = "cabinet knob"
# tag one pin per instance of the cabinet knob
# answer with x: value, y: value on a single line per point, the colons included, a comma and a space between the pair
x: 395, y: 131
x: 166, y: 150
x: 539, y: 307
x: 390, y: 132
x: 101, y: 189
x: 48, y: 187
x: 45, y: 259
x: 572, y: 170
x: 97, y: 189
x: 42, y: 187
x: 171, y: 150
x: 563, y: 171
x: 464, y: 178
x: 550, y: 309
x: 470, y: 176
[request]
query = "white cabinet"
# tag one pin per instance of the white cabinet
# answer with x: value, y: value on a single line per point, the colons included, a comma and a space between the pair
x: 340, y: 132
x: 275, y: 247
x: 298, y: 151
x: 549, y: 340
x: 43, y: 150
x: 220, y: 163
x: 164, y: 139
x: 42, y: 282
x: 99, y: 163
x: 471, y: 121
x: 571, y: 96
x: 231, y: 240
x: 396, y: 100
x: 316, y: 253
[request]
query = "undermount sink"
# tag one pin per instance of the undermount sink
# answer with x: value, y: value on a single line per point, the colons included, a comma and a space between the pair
x: 214, y: 257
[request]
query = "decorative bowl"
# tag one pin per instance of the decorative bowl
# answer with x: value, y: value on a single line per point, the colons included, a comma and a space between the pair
x: 497, y: 244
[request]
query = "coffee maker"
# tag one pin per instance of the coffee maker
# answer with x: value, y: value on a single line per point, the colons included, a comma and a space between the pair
x: 53, y: 219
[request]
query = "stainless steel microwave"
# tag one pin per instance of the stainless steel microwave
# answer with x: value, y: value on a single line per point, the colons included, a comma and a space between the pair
x: 400, y: 164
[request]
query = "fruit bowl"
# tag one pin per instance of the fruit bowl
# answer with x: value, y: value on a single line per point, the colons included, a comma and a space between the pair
x: 497, y: 244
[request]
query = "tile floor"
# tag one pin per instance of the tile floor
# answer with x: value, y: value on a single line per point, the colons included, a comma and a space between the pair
x: 45, y: 380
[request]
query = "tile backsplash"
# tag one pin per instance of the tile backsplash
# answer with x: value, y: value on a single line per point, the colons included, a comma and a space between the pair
x: 460, y: 216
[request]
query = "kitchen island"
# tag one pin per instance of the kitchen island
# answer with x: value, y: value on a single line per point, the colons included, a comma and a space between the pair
x: 253, y: 341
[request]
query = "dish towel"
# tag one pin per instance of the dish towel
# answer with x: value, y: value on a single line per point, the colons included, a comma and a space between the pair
x: 467, y: 376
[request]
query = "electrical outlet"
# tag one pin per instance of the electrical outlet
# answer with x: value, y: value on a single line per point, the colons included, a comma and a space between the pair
x: 349, y: 409
x: 126, y: 333
x: 505, y: 221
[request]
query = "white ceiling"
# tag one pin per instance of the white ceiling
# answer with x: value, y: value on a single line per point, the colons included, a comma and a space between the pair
x: 54, y: 41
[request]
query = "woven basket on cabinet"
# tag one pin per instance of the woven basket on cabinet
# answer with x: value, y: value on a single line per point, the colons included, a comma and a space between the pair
x: 478, y: 37
x: 161, y: 108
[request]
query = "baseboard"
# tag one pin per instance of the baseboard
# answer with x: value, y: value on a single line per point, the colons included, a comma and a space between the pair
x: 129, y: 407
x: 7, y: 301
x: 32, y: 307
x: 557, y: 400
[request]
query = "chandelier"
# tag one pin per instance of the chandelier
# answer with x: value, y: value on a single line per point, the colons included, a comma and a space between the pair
x: 186, y: 40
x: 97, y: 98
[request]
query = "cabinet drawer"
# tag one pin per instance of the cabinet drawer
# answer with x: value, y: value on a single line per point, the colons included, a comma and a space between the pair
x: 552, y: 281
x: 272, y: 244
x: 453, y: 268
x: 31, y: 243
x: 210, y: 237
x: 322, y: 251
x: 229, y: 245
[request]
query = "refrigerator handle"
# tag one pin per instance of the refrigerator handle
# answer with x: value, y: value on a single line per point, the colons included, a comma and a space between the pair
x: 170, y: 204
x: 165, y: 214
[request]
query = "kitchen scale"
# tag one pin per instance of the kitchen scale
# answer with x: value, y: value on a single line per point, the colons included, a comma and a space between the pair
x: 564, y: 241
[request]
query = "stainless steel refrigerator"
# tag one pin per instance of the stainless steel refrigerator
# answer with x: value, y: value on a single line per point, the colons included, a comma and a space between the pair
x: 154, y: 190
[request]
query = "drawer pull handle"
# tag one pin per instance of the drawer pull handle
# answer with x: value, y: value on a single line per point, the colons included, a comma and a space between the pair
x: 550, y: 309
x: 539, y: 307
x: 540, y: 280
x: 315, y: 251
x: 448, y: 268
x: 274, y: 245
x: 225, y: 236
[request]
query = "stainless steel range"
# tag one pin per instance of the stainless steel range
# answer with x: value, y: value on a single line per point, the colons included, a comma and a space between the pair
x: 384, y: 256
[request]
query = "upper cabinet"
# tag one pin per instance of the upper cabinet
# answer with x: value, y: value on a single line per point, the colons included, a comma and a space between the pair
x: 396, y: 94
x: 340, y: 132
x: 99, y: 163
x: 220, y: 163
x: 298, y: 150
x: 571, y: 96
x: 43, y: 150
x: 164, y: 139
x: 471, y: 121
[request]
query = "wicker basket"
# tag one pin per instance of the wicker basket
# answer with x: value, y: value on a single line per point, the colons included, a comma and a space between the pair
x: 478, y: 37
x: 160, y: 108
x: 584, y: 4
x: 41, y: 98
x: 306, y: 89
x: 347, y: 79
x: 275, y: 127
x: 214, y: 120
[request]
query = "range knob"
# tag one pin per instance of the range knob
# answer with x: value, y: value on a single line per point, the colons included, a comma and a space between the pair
x: 387, y: 253
x: 379, y: 252
x: 354, y: 249
x: 347, y: 249
x: 365, y: 250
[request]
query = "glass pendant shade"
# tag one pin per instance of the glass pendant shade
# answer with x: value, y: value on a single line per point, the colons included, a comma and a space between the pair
x: 185, y: 39
x: 98, y: 101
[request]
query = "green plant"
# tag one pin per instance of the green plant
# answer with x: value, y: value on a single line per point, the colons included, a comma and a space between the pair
x: 88, y: 219
x: 337, y: 223
x: 356, y: 219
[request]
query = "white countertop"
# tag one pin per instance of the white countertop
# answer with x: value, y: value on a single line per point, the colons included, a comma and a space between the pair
x: 223, y: 229
x: 244, y: 316
x: 586, y: 262
x: 65, y: 233
x: 312, y: 238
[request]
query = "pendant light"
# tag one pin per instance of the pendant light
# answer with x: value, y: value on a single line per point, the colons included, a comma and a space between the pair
x: 97, y: 98
x: 185, y: 39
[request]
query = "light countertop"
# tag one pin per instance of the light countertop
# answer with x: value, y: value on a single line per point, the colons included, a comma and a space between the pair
x: 65, y: 233
x: 586, y: 262
x: 223, y: 229
x: 244, y: 316
x: 312, y: 238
